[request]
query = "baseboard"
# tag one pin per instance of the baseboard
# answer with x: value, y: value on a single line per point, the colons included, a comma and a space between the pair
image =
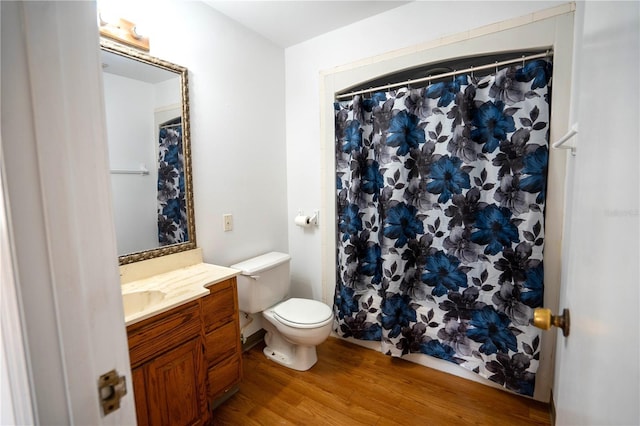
x: 253, y: 340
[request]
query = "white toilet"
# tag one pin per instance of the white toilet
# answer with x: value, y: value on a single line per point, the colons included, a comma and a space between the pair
x: 295, y: 326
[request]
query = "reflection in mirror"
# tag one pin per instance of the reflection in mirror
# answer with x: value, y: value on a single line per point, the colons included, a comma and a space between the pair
x: 147, y: 113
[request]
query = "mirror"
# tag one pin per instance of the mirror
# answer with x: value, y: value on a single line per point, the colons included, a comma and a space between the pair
x: 147, y: 113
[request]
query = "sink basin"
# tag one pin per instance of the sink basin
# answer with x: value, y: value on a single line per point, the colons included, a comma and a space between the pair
x: 138, y: 301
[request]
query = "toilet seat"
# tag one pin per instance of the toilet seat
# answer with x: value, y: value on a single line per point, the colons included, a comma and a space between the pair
x: 303, y: 313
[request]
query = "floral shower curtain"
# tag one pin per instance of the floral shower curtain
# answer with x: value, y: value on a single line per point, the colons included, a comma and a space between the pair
x: 172, y: 209
x: 440, y: 205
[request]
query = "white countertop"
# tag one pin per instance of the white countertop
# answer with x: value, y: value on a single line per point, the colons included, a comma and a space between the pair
x: 178, y: 286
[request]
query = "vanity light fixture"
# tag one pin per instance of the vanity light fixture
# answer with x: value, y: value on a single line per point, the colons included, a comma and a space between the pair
x: 123, y: 31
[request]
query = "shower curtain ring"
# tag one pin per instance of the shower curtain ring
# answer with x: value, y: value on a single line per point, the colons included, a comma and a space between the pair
x: 523, y: 61
x: 471, y: 68
x: 496, y: 67
x: 453, y: 77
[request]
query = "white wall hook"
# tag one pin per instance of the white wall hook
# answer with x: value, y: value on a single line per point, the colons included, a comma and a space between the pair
x: 559, y: 144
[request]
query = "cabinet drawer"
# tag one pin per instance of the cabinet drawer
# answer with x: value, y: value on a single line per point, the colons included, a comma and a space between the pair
x: 158, y: 334
x: 222, y: 343
x: 223, y: 376
x: 221, y: 305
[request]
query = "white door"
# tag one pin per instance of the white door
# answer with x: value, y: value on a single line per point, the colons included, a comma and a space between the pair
x: 597, y: 380
x: 56, y: 188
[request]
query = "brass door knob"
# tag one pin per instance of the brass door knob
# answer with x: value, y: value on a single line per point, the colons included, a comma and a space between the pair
x: 542, y: 318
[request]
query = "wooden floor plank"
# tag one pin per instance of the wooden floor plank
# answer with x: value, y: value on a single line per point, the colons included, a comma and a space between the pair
x: 351, y: 385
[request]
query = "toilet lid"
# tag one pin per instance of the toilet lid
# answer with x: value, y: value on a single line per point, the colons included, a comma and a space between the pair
x: 303, y: 311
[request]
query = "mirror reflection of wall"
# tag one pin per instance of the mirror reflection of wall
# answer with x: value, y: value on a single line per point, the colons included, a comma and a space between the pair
x: 138, y: 97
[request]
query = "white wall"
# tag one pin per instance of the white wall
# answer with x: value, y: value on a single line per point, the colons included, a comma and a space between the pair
x: 598, y: 365
x: 167, y: 93
x: 236, y: 88
x: 405, y: 26
x: 130, y: 131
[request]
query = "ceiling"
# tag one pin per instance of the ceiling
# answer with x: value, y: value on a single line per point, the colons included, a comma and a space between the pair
x: 286, y: 23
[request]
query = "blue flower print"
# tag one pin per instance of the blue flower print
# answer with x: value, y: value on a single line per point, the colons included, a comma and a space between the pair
x: 448, y: 178
x: 371, y: 263
x: 492, y: 125
x: 350, y: 222
x: 442, y: 273
x: 352, y: 137
x: 345, y: 301
x: 171, y: 155
x: 539, y: 71
x: 491, y: 328
x: 535, y: 284
x: 439, y: 350
x: 376, y: 98
x: 535, y: 166
x: 405, y: 133
x: 494, y: 229
x: 370, y: 332
x: 446, y: 91
x: 172, y: 209
x: 396, y: 313
x: 371, y: 181
x: 402, y: 224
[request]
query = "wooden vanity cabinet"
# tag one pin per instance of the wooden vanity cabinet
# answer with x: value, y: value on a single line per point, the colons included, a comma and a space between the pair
x: 169, y: 368
x: 187, y: 361
x: 222, y: 341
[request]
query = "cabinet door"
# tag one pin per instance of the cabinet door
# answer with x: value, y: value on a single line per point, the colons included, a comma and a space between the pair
x: 176, y: 391
x: 140, y: 394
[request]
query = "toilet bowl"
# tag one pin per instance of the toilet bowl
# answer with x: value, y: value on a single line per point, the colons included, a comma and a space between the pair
x: 295, y: 326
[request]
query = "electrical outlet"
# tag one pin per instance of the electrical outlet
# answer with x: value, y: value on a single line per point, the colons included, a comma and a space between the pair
x: 227, y: 222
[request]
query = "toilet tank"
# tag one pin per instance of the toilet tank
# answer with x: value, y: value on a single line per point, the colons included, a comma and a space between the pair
x: 264, y: 281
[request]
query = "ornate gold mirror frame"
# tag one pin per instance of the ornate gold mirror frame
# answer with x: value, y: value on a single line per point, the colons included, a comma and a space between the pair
x: 118, y: 49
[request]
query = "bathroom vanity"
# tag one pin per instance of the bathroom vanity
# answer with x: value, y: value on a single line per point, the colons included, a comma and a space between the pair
x: 184, y: 343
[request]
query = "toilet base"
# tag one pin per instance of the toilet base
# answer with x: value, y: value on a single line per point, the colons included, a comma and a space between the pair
x: 305, y: 357
x: 285, y: 353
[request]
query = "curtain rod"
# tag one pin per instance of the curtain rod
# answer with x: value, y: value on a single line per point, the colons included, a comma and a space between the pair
x: 448, y: 74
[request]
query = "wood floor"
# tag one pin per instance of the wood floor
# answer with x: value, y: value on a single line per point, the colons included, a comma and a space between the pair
x: 351, y: 385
